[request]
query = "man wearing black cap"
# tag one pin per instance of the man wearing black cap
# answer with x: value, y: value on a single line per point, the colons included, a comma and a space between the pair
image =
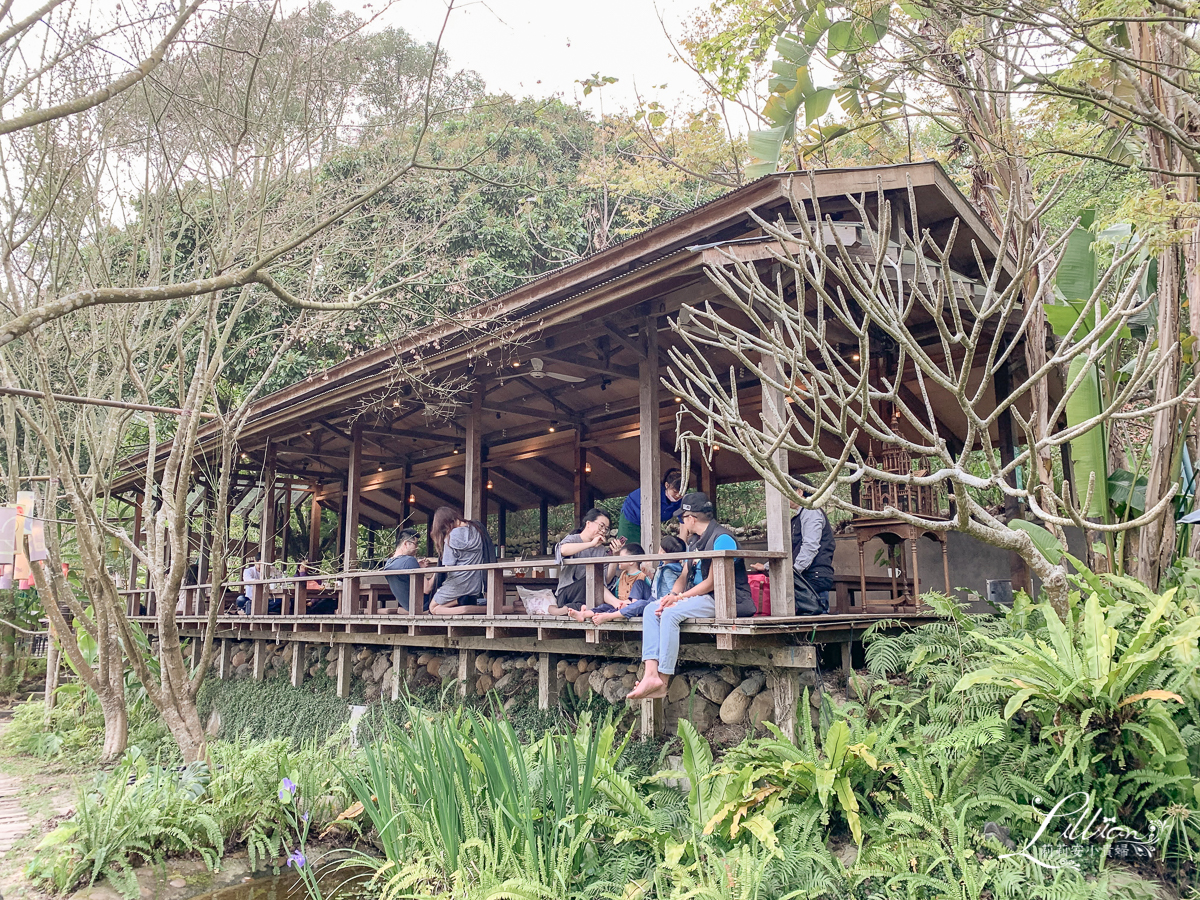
x: 690, y: 598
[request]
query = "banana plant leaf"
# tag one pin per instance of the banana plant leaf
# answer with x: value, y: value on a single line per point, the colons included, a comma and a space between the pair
x: 1128, y: 495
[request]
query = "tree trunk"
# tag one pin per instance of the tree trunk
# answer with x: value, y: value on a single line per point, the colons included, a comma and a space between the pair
x: 1156, y: 542
x: 8, y: 637
x: 116, y: 727
x: 53, y: 662
x: 183, y: 721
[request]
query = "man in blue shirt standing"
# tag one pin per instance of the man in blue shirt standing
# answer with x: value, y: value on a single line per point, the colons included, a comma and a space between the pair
x: 629, y: 525
x: 691, y: 598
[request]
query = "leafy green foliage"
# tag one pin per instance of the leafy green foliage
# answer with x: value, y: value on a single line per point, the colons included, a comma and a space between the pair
x: 933, y: 784
x: 142, y: 812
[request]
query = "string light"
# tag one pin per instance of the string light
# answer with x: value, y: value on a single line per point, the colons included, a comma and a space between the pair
x: 855, y: 357
x: 551, y: 431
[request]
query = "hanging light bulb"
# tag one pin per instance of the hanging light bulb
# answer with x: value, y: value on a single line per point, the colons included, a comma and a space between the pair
x: 412, y: 498
x: 587, y: 467
x: 489, y: 486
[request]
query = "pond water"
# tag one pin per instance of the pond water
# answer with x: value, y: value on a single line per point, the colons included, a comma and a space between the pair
x: 339, y: 885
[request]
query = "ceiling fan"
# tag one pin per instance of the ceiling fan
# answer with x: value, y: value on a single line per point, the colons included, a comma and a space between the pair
x: 537, y: 370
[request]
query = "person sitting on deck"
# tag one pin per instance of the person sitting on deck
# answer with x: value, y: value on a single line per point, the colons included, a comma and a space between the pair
x: 404, y: 559
x: 587, y: 543
x: 628, y: 594
x: 812, y: 557
x: 691, y: 597
x: 314, y: 603
x: 249, y: 573
x: 662, y: 582
x: 629, y: 524
x: 460, y: 543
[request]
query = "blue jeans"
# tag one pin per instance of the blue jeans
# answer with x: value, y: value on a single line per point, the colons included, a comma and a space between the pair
x: 660, y: 634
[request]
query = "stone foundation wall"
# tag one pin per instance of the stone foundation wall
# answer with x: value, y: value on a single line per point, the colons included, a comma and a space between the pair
x: 725, y: 701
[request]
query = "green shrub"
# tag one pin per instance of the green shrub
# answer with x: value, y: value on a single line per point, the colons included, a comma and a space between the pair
x: 267, y: 710
x: 139, y: 813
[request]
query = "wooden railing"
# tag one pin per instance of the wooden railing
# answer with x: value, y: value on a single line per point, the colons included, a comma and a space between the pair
x: 361, y: 591
x: 722, y: 568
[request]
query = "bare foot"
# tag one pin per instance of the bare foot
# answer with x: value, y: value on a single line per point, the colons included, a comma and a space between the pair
x: 649, y: 688
x: 601, y: 618
x: 580, y: 615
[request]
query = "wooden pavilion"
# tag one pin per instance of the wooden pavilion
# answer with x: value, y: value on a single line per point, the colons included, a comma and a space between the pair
x: 549, y: 394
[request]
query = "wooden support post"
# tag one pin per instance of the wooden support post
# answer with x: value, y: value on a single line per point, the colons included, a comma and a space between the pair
x: 203, y: 560
x: 502, y: 527
x: 724, y: 589
x: 549, y: 680
x: 137, y: 542
x: 847, y: 666
x: 345, y: 669
x: 593, y: 584
x: 287, y: 522
x: 779, y: 515
x: 300, y: 599
x: 224, y: 658
x: 196, y: 651
x: 350, y: 523
x: 581, y: 481
x: 708, y: 481
x: 266, y: 520
x: 785, y: 686
x: 399, y: 670
x: 298, y: 668
x: 652, y: 718
x: 494, y: 585
x: 473, y: 469
x: 314, y: 529
x: 484, y: 503
x: 862, y: 576
x: 543, y: 525
x: 466, y: 673
x: 416, y: 593
x: 916, y: 571
x: 946, y: 564
x: 405, y: 506
x: 259, y: 667
x: 649, y: 453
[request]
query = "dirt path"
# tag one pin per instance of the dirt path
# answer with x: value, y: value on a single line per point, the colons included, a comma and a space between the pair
x: 33, y: 793
x: 14, y: 823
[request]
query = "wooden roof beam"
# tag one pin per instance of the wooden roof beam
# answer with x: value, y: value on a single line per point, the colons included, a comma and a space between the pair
x: 596, y: 365
x: 536, y: 490
x: 635, y: 347
x: 612, y: 462
x: 414, y: 433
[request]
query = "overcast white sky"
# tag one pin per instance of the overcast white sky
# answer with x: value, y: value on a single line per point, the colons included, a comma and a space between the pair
x: 543, y: 47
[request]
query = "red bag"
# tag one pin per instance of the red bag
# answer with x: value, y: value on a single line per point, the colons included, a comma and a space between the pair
x: 760, y: 592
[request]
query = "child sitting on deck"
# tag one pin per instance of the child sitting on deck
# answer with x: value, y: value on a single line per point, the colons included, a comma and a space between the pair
x: 658, y: 586
x: 629, y: 589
